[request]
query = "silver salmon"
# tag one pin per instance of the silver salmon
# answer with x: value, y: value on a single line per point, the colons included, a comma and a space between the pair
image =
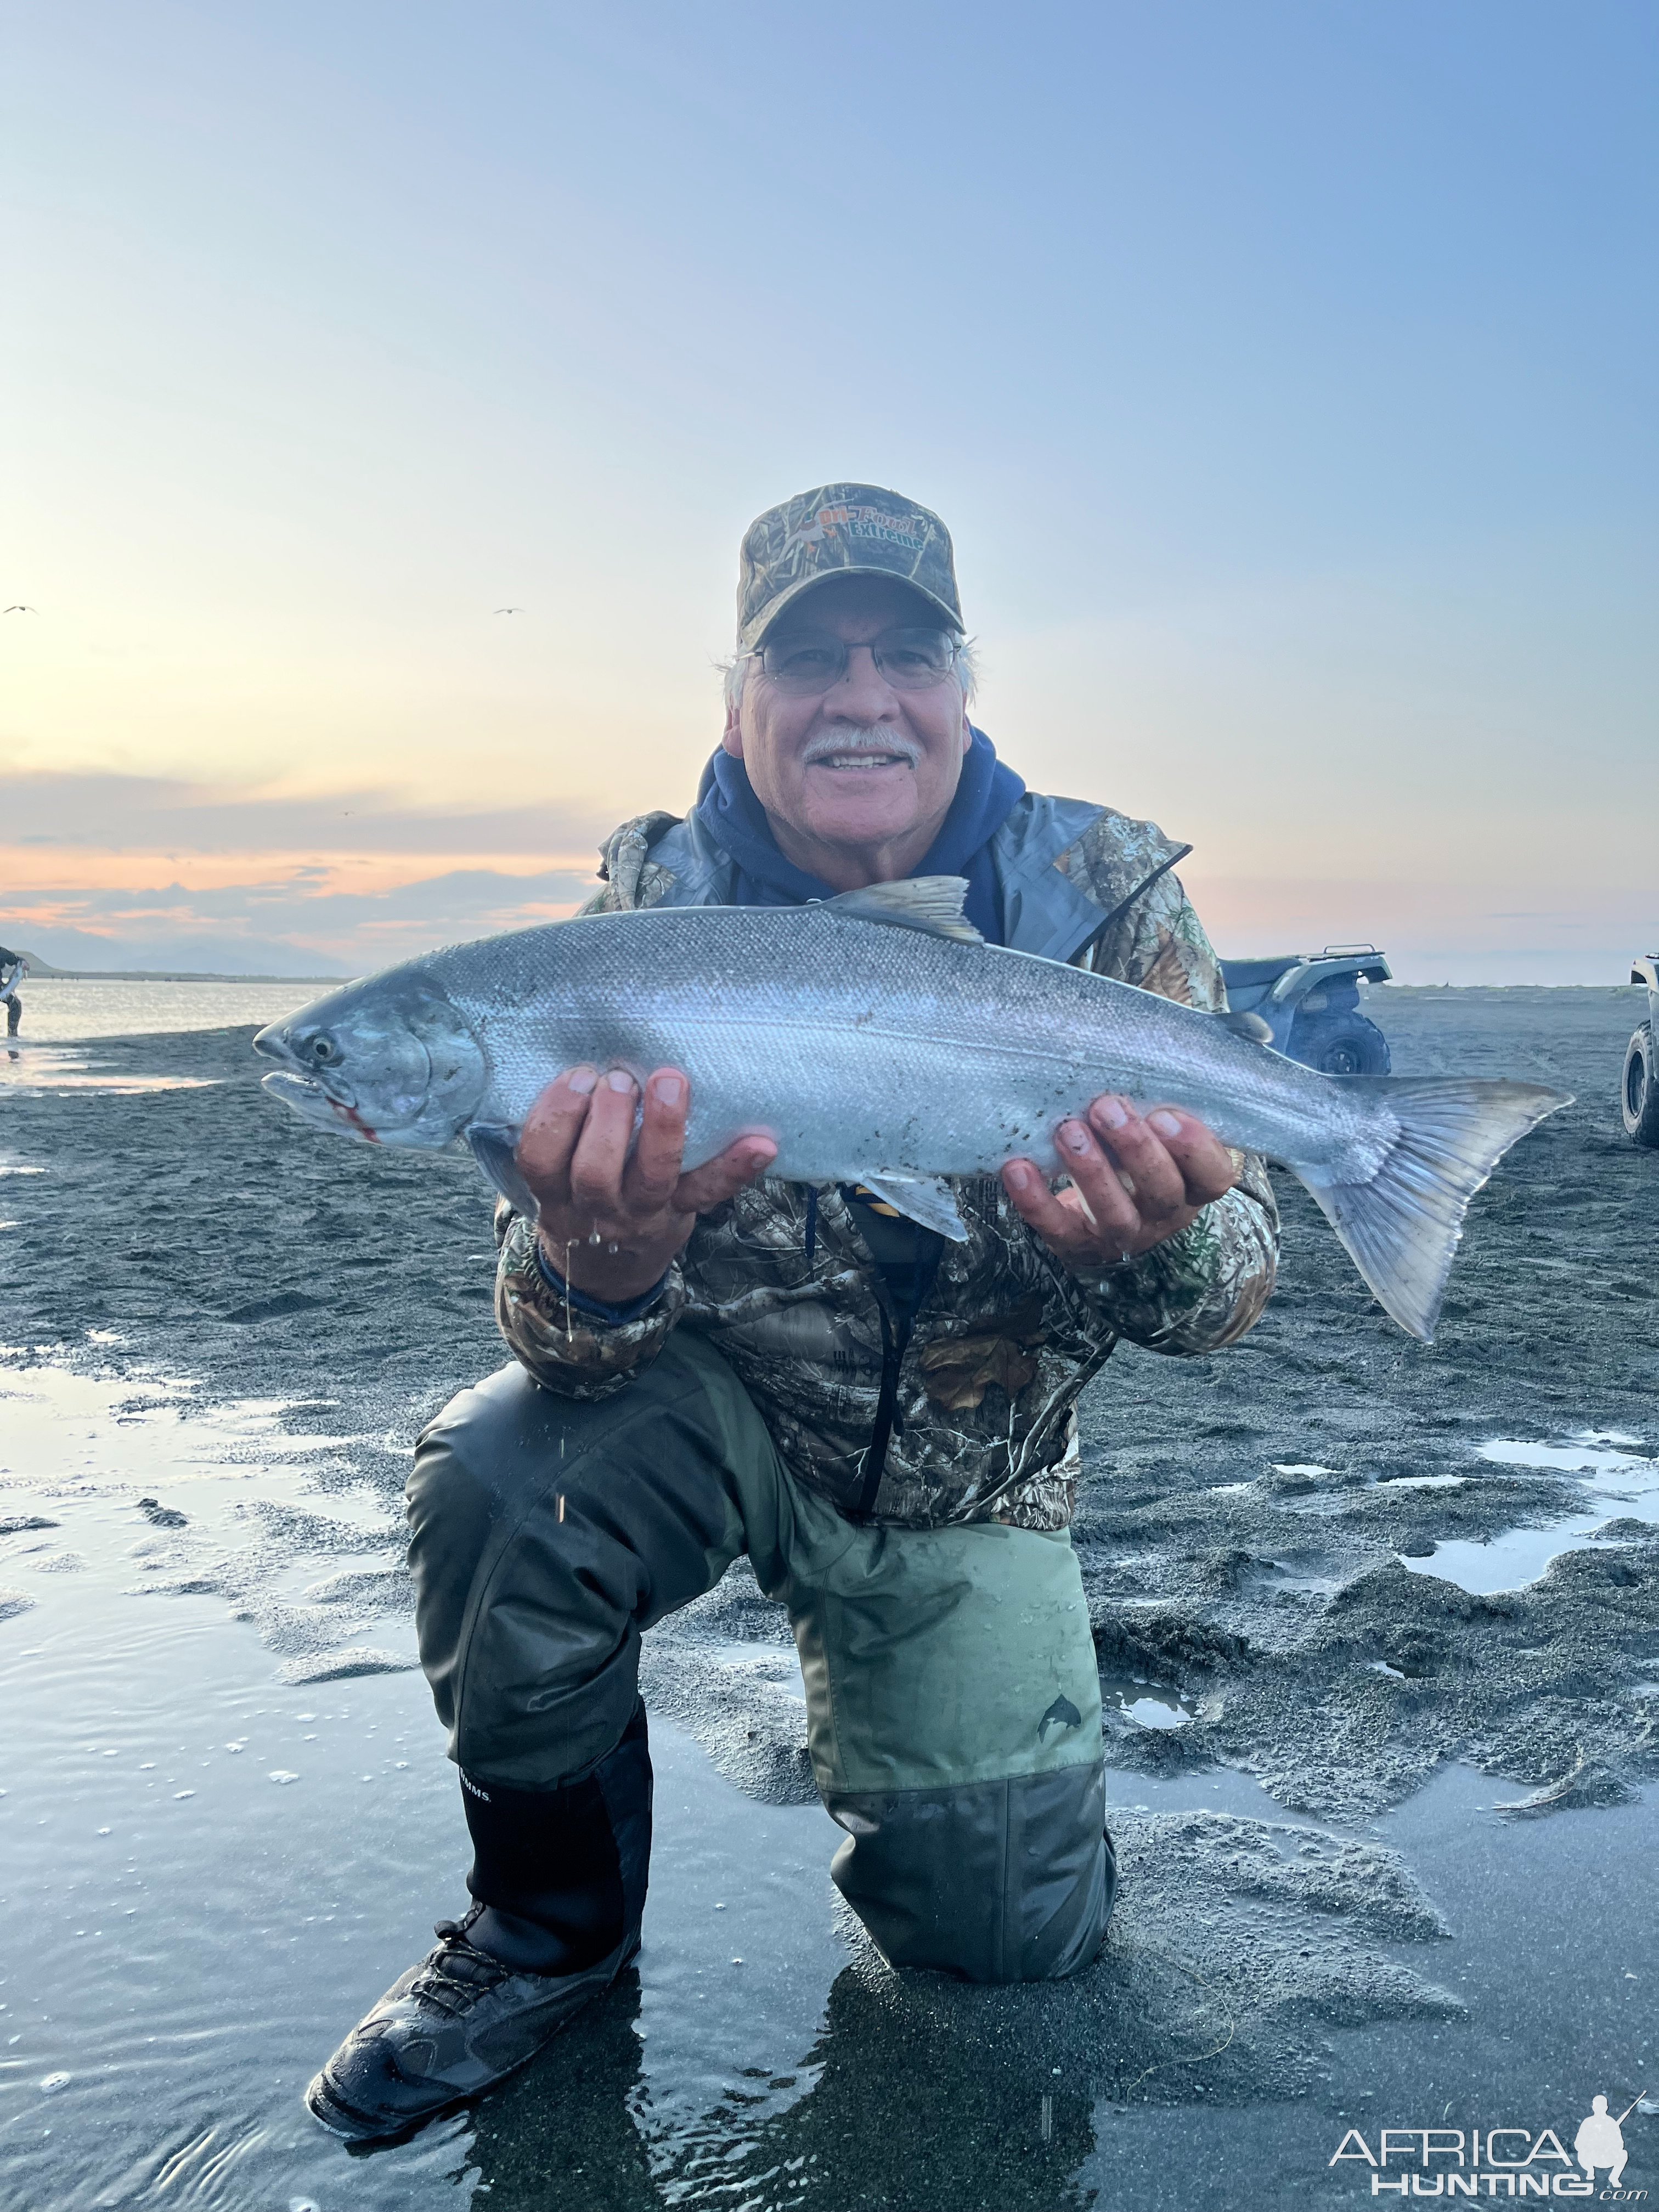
x: 878, y: 1039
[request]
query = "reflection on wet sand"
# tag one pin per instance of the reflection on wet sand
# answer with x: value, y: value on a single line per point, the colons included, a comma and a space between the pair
x: 919, y: 2091
x: 1615, y: 1482
x: 48, y: 1072
x: 956, y: 2125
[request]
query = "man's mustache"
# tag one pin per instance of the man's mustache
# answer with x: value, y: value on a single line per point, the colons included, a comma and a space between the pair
x: 856, y: 740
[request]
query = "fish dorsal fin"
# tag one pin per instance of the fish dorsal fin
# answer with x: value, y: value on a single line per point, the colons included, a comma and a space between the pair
x: 932, y: 904
x: 1248, y: 1026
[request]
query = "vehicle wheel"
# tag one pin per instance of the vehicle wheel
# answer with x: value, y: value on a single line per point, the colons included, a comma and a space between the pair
x: 1638, y: 1094
x: 1350, y: 1047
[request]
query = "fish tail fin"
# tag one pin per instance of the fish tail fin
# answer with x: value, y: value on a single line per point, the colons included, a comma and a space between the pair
x: 1401, y: 1226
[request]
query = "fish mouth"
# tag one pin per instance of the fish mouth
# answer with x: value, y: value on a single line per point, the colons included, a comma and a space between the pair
x: 298, y: 1092
x: 273, y: 1042
x: 324, y: 1110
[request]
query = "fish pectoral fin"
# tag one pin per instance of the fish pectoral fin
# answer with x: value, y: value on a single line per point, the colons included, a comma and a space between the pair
x: 932, y: 904
x: 1248, y: 1026
x: 927, y: 1200
x: 495, y: 1147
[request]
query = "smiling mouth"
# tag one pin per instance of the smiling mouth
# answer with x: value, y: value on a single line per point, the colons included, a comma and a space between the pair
x: 860, y: 761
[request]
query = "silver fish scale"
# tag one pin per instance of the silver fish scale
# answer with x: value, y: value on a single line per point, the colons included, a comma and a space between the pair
x: 862, y: 1047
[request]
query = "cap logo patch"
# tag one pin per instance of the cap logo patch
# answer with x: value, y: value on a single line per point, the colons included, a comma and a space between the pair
x: 870, y: 522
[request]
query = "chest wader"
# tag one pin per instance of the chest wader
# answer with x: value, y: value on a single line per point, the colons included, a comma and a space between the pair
x: 953, y: 1705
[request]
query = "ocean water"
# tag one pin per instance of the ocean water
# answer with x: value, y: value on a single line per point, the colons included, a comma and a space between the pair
x: 66, y: 1012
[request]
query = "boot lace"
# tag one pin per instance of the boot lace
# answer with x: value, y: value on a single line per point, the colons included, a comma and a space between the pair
x: 456, y: 1974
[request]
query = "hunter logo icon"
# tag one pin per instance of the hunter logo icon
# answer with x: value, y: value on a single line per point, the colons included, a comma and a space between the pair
x: 1601, y: 2141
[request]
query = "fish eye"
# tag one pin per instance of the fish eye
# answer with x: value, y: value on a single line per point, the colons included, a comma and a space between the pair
x: 323, y: 1049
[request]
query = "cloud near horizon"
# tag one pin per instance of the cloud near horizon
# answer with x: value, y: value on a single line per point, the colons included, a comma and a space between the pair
x: 126, y: 813
x: 135, y: 871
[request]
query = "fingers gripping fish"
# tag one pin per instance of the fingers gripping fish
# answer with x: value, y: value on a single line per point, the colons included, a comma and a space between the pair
x: 876, y: 1038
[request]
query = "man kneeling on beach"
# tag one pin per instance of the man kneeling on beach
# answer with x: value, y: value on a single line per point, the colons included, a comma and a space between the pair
x: 710, y: 1365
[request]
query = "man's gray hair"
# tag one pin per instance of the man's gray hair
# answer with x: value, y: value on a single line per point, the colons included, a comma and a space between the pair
x: 734, y: 673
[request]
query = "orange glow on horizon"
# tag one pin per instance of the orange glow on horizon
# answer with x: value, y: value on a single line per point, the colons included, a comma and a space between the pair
x: 70, y: 870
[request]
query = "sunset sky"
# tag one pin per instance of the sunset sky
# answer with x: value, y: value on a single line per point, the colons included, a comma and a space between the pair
x: 1284, y: 373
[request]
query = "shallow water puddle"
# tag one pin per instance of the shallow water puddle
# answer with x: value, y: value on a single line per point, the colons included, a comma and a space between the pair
x: 1148, y: 1705
x: 49, y: 1071
x: 1619, y: 1485
x: 220, y: 1873
x: 141, y: 1426
x: 1306, y: 1487
x: 130, y: 1482
x: 1593, y: 1452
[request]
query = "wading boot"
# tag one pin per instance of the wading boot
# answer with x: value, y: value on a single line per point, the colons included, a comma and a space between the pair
x: 559, y: 1877
x: 449, y: 2028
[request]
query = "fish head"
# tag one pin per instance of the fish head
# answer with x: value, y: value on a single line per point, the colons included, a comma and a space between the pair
x: 389, y: 1061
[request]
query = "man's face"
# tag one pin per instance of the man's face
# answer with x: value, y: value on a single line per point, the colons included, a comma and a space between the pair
x: 862, y: 765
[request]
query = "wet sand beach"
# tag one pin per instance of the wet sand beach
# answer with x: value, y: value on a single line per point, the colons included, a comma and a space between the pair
x: 1379, y: 1626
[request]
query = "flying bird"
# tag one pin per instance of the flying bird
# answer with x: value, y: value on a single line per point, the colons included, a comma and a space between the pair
x: 509, y: 610
x: 18, y: 608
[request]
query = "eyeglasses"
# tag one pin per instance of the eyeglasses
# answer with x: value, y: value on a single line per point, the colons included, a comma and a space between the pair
x: 811, y: 660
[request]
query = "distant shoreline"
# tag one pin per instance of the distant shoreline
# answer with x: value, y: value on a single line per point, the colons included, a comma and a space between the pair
x: 42, y: 971
x: 39, y: 972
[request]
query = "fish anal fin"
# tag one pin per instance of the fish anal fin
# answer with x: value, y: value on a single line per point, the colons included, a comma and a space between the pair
x: 932, y: 904
x: 496, y: 1148
x: 928, y: 1200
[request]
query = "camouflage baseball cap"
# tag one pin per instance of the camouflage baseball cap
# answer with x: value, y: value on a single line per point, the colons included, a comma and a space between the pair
x: 846, y: 530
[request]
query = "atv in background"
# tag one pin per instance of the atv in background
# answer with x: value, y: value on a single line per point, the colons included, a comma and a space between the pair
x: 1311, y: 1004
x: 1638, y: 1091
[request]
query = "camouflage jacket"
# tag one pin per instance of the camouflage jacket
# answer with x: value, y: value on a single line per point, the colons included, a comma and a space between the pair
x: 986, y: 1424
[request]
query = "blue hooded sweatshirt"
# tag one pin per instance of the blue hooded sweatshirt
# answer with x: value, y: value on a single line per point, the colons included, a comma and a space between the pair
x: 986, y: 796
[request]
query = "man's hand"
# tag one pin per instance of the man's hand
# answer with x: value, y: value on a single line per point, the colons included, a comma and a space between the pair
x: 1135, y: 1181
x: 610, y: 1223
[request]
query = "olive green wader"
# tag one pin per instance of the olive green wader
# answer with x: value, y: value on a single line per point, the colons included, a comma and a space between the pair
x: 953, y: 1705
